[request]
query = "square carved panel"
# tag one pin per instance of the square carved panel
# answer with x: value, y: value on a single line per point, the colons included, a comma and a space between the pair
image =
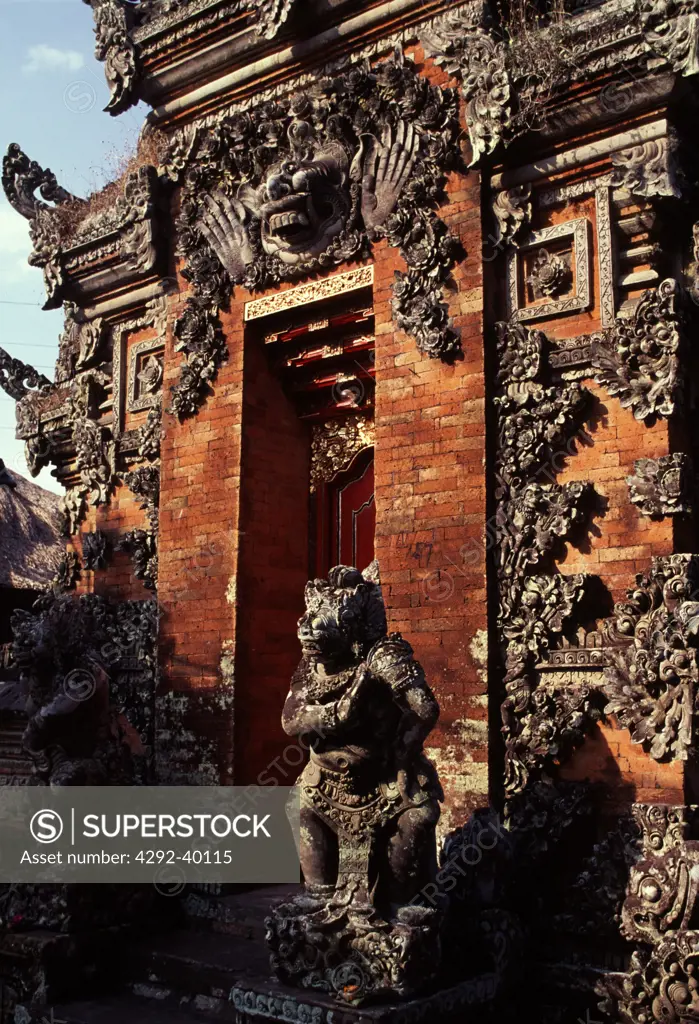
x: 548, y: 274
x: 145, y: 376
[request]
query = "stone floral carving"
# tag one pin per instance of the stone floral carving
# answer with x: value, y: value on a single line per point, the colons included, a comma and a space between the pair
x: 651, y: 684
x: 18, y: 379
x: 657, y: 914
x: 95, y: 549
x: 671, y: 30
x: 461, y: 43
x: 271, y: 15
x: 639, y: 359
x: 142, y: 545
x: 647, y: 169
x: 662, y: 487
x: 114, y: 46
x: 363, y: 701
x: 513, y: 209
x: 67, y: 573
x: 535, y: 424
x: 302, y: 184
x: 148, y: 435
x: 550, y: 274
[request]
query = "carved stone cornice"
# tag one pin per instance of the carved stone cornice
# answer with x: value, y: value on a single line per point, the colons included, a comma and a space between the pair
x: 651, y: 684
x: 662, y: 487
x: 508, y: 77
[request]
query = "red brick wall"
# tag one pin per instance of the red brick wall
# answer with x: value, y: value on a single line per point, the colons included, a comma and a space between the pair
x: 198, y: 545
x: 430, y: 504
x: 273, y: 567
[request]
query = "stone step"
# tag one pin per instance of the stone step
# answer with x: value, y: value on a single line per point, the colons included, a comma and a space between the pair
x: 189, y: 965
x: 241, y: 913
x: 123, y: 1009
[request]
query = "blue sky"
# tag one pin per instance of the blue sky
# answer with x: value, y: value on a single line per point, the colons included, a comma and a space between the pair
x: 53, y: 94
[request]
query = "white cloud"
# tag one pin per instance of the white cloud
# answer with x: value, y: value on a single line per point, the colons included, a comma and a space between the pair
x: 48, y: 58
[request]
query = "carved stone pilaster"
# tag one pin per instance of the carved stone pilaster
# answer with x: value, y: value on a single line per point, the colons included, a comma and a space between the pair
x: 662, y: 487
x: 535, y: 423
x: 651, y: 685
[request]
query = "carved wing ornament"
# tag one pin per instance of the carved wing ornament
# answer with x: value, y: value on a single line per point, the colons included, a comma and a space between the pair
x: 301, y: 184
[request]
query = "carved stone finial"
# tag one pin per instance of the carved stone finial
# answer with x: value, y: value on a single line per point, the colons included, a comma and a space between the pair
x: 662, y: 487
x: 363, y: 701
x: 18, y: 379
x: 21, y: 177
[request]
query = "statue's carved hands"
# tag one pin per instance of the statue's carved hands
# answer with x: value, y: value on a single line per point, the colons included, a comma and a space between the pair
x: 386, y: 167
x: 223, y: 226
x: 348, y: 706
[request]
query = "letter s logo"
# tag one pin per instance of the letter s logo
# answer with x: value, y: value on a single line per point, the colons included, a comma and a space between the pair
x: 46, y: 826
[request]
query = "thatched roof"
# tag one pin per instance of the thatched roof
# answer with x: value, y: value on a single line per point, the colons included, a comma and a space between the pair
x: 30, y: 532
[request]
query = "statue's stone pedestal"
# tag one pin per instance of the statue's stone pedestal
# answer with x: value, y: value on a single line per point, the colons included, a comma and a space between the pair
x: 462, y: 1004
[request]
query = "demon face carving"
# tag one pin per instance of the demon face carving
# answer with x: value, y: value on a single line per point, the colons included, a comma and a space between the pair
x: 305, y: 202
x: 302, y: 205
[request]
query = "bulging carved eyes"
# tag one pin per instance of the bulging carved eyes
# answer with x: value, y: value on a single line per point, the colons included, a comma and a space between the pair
x: 278, y: 186
x: 300, y: 180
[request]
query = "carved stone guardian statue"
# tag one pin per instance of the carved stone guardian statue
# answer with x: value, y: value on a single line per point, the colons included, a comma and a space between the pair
x: 369, y: 802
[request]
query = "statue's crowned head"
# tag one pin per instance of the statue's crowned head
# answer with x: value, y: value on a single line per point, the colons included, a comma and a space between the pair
x: 345, y: 615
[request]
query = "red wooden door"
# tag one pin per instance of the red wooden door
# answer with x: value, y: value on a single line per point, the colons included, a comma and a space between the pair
x: 347, y: 517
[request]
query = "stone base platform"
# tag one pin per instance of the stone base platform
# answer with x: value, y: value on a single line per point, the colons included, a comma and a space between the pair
x: 214, y: 966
